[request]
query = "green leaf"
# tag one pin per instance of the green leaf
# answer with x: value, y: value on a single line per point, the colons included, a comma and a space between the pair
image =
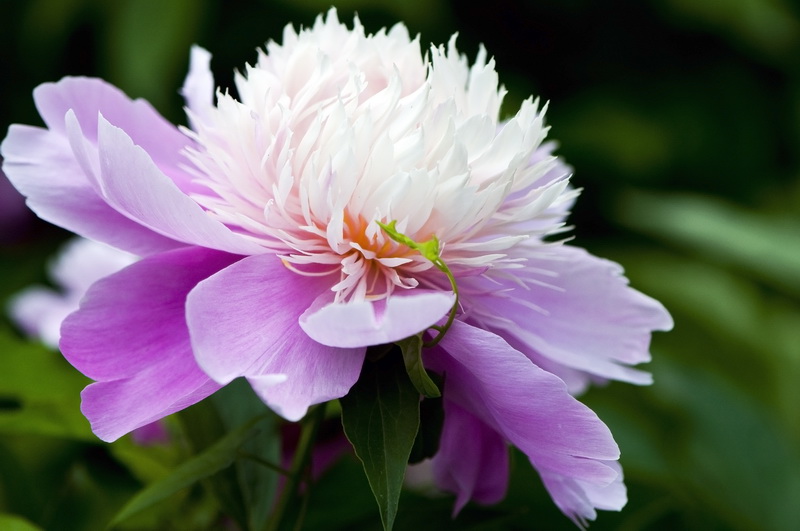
x: 27, y: 404
x: 411, y: 348
x: 380, y: 417
x: 218, y: 456
x: 10, y: 522
x: 431, y: 419
x: 257, y: 483
x: 245, y: 491
x: 764, y: 245
x: 203, y: 425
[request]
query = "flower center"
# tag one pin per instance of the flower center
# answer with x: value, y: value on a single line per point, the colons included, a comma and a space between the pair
x: 373, y: 265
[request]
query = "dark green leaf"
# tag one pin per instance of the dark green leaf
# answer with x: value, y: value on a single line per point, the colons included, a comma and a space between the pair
x: 218, y: 456
x: 412, y: 356
x: 431, y: 418
x: 380, y: 416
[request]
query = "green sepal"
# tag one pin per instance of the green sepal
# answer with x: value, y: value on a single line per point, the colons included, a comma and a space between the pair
x: 380, y: 416
x: 411, y: 347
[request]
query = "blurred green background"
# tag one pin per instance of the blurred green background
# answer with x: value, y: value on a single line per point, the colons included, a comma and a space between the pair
x: 682, y: 120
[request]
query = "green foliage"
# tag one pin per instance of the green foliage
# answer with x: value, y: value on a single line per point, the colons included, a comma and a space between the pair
x: 764, y: 245
x: 245, y: 490
x: 431, y: 418
x: 380, y: 416
x: 215, y: 458
x: 9, y: 522
x: 39, y: 391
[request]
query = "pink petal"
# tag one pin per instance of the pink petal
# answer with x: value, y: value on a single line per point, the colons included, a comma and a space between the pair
x: 39, y: 311
x: 132, y: 184
x: 130, y: 334
x: 244, y: 322
x: 592, y: 320
x: 472, y: 460
x: 365, y: 323
x: 579, y: 499
x: 559, y: 210
x: 151, y: 434
x: 42, y: 166
x: 115, y: 408
x: 198, y: 88
x: 88, y: 98
x: 527, y: 406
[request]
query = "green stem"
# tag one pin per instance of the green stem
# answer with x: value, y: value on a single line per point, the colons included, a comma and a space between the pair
x: 439, y: 263
x: 298, y: 525
x: 300, y: 462
x: 263, y: 462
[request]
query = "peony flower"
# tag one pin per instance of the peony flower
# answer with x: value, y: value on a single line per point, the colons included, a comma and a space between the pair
x: 276, y: 233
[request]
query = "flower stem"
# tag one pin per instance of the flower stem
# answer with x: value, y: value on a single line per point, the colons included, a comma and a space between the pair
x: 439, y: 263
x: 300, y: 462
x: 263, y: 462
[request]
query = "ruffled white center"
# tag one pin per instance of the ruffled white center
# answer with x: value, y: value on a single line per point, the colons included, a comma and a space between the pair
x: 335, y: 130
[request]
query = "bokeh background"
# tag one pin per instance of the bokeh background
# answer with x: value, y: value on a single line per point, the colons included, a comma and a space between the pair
x: 682, y: 121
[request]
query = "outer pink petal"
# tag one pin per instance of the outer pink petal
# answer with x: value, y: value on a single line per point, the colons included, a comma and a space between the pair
x: 130, y: 334
x: 88, y: 98
x: 131, y: 183
x: 42, y: 166
x: 579, y: 499
x: 529, y: 407
x: 244, y: 322
x: 591, y: 320
x: 365, y: 323
x: 117, y: 407
x: 472, y: 460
